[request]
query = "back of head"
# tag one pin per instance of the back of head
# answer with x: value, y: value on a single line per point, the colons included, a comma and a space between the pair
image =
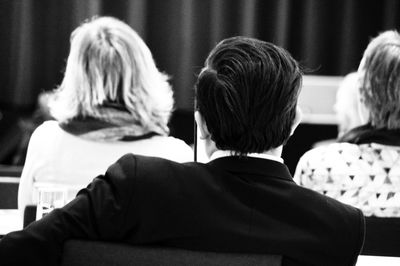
x: 346, y: 106
x: 110, y: 68
x: 247, y: 94
x: 380, y: 80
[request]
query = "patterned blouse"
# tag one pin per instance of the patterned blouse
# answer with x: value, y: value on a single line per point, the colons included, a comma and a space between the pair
x: 365, y: 175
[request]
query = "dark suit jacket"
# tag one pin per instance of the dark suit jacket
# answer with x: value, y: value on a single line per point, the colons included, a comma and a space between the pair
x: 231, y: 204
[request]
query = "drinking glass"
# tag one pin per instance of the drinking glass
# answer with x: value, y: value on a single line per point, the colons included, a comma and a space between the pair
x: 50, y: 198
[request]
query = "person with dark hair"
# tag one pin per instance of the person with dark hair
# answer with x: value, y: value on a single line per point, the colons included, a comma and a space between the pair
x: 251, y: 119
x: 243, y: 200
x: 363, y: 168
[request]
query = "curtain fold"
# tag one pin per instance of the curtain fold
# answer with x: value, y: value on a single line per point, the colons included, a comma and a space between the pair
x: 326, y: 36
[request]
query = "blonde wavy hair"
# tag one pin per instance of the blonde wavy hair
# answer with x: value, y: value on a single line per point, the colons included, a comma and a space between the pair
x: 110, y: 65
x: 379, y: 73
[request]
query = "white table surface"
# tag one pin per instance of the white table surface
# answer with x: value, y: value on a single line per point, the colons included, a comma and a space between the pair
x: 377, y: 261
x: 10, y: 220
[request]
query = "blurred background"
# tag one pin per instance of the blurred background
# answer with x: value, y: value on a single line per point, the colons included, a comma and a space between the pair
x: 327, y: 37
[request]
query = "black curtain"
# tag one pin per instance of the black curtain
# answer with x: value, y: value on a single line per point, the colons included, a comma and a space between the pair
x: 326, y: 36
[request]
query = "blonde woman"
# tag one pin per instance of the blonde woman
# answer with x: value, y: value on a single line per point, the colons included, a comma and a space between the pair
x: 113, y: 100
x: 363, y: 168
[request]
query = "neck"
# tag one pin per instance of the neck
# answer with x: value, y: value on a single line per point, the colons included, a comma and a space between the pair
x: 275, y: 152
x: 210, y: 148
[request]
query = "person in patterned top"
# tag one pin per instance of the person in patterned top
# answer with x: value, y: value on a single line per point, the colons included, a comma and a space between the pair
x: 363, y: 168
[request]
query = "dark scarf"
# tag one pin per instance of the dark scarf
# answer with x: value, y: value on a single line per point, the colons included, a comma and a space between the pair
x: 368, y: 134
x: 111, y: 125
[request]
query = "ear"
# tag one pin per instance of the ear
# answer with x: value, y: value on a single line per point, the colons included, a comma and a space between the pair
x: 297, y: 120
x: 201, y: 125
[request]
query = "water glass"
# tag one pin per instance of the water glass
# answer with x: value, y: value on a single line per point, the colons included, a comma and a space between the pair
x: 50, y: 198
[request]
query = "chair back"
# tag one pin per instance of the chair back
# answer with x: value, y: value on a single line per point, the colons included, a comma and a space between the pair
x: 9, y: 192
x: 94, y: 253
x: 382, y: 236
x: 29, y: 215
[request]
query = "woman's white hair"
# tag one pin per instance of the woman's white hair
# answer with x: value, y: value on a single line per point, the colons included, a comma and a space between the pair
x: 110, y: 65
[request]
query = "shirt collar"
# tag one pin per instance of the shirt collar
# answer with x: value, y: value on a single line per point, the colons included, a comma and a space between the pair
x: 220, y: 153
x: 250, y: 166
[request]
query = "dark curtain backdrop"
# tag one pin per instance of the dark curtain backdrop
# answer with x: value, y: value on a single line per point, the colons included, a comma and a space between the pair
x: 327, y: 36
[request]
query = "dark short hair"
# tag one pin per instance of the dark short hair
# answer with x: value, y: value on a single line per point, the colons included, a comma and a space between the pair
x: 380, y: 80
x: 247, y: 93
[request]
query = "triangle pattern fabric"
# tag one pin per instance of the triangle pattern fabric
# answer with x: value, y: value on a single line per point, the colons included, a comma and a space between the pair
x: 366, y: 176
